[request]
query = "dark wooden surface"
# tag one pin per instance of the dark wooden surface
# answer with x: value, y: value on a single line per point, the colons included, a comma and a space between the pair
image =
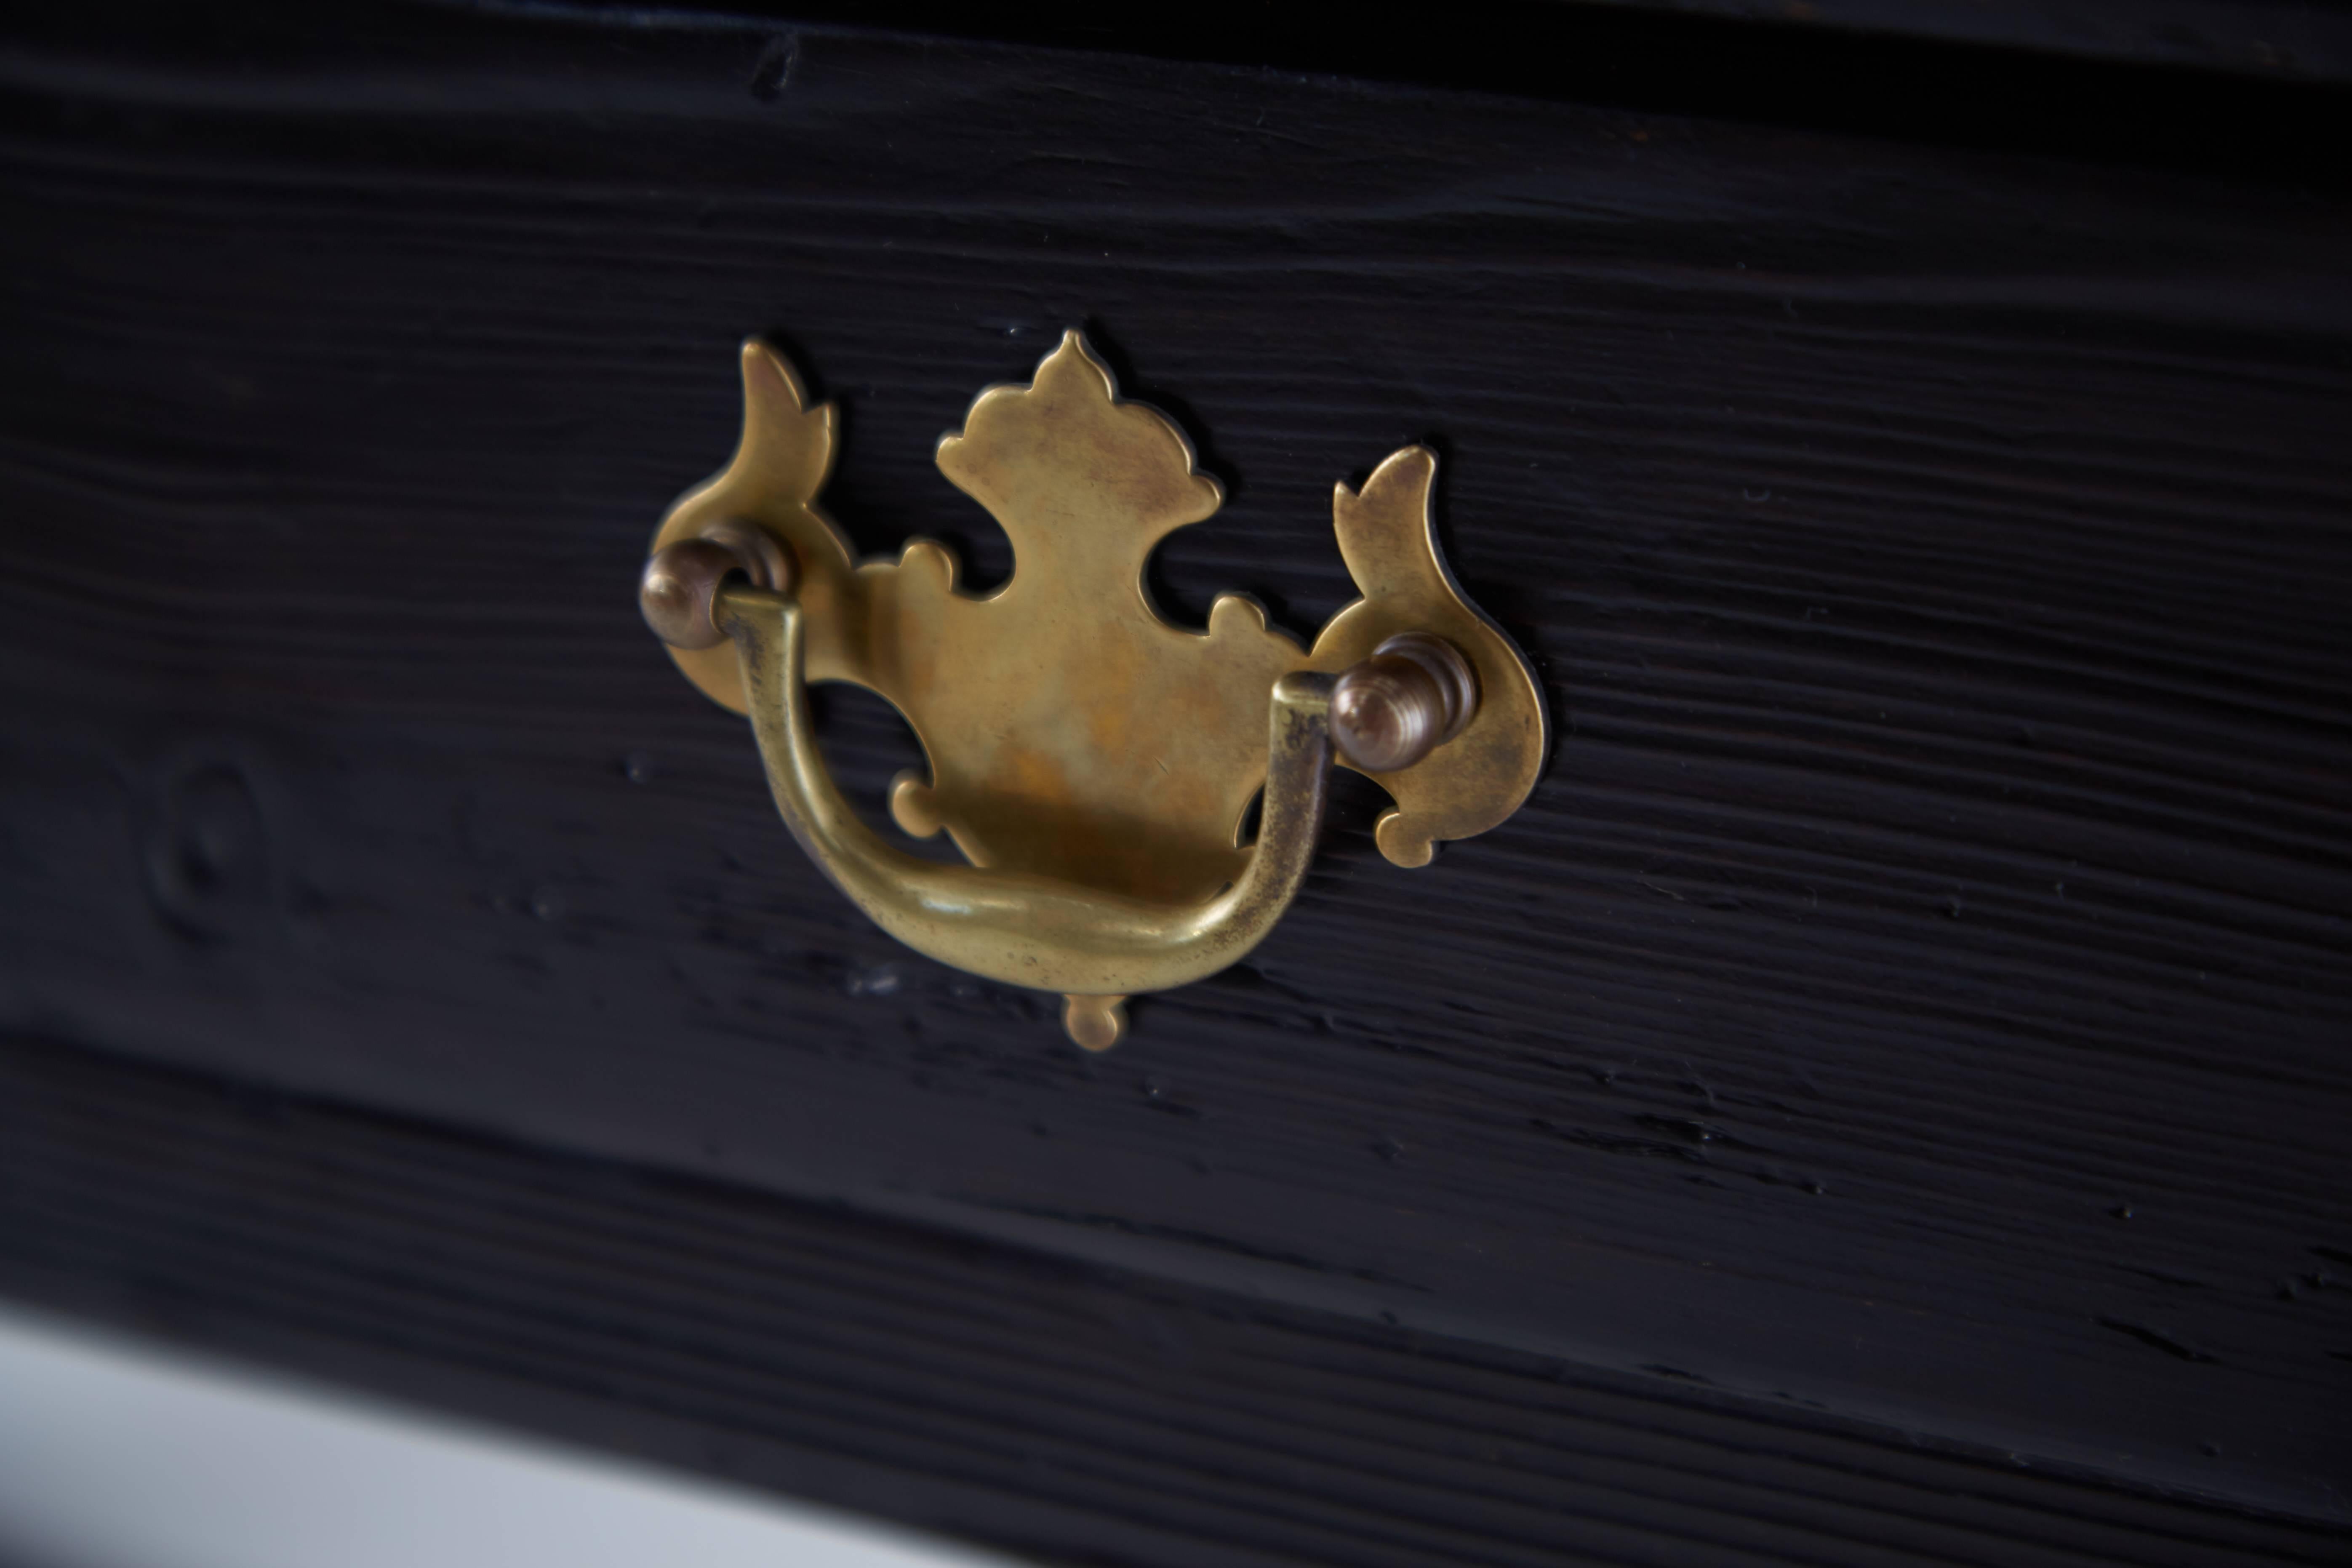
x: 2273, y: 42
x: 1071, y: 1411
x: 1898, y: 1058
x: 2276, y: 39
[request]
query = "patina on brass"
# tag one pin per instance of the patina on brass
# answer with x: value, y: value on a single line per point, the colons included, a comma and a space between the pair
x: 1094, y: 763
x: 679, y: 590
x: 1096, y: 945
x: 1415, y: 693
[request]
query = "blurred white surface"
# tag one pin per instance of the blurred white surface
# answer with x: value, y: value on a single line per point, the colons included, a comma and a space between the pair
x: 117, y: 1455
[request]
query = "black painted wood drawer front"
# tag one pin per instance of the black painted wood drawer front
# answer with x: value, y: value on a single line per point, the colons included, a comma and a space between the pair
x: 1884, y: 1099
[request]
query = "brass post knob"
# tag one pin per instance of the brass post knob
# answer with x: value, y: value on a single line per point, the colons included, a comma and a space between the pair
x: 679, y: 589
x: 1411, y: 695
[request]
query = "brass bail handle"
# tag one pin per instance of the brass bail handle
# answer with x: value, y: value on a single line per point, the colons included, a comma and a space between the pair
x: 1388, y: 712
x: 1384, y: 713
x: 1095, y: 763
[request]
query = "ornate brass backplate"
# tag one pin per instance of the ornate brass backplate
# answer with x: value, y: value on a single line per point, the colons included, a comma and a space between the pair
x: 1084, y: 751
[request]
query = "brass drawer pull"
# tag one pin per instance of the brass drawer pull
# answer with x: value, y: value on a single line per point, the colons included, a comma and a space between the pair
x: 1094, y: 763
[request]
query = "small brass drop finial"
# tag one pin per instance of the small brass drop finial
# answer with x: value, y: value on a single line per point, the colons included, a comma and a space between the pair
x: 1095, y: 1023
x: 1411, y: 695
x: 680, y: 586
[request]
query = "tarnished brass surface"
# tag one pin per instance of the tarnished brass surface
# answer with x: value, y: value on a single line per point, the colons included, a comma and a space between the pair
x: 1389, y: 711
x: 1477, y: 779
x: 679, y: 589
x: 1021, y: 926
x: 1096, y: 761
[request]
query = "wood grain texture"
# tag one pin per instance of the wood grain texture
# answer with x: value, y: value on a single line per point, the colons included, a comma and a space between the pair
x: 1916, y: 992
x: 2267, y: 39
x: 1072, y: 1413
x: 1883, y: 61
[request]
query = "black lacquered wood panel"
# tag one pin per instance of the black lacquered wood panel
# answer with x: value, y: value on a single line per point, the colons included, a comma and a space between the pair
x: 1917, y: 992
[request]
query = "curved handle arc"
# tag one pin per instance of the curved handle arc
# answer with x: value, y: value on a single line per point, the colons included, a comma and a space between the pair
x: 1018, y: 927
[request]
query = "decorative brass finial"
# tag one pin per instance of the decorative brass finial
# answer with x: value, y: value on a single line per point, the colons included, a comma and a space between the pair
x: 1415, y: 693
x: 679, y: 589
